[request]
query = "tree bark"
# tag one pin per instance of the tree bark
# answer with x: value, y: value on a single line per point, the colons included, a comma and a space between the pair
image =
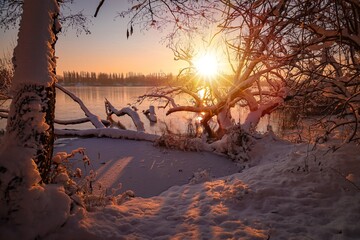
x: 224, y: 120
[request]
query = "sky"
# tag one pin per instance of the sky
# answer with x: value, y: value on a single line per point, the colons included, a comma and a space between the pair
x: 106, y: 49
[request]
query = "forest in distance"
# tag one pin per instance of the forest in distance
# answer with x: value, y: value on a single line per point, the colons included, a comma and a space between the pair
x: 72, y: 78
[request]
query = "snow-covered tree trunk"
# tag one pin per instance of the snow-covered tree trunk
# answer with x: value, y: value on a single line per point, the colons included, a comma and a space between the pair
x: 30, y: 123
x: 31, y: 117
x: 29, y: 210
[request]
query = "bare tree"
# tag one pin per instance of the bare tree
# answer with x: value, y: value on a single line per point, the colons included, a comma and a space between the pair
x: 326, y: 79
x: 253, y: 38
x: 297, y: 51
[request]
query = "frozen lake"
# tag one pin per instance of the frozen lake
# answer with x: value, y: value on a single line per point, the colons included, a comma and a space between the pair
x: 122, y: 96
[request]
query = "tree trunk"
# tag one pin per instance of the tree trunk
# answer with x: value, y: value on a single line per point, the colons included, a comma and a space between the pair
x: 224, y: 120
x: 206, y: 127
x: 32, y: 111
x: 33, y: 104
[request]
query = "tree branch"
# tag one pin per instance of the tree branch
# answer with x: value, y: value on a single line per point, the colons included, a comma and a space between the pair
x: 95, y: 120
x: 98, y: 7
x: 110, y: 109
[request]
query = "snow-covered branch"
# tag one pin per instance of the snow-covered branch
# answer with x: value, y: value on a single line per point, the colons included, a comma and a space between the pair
x: 4, y: 114
x: 110, y: 109
x: 95, y: 120
x: 79, y: 121
x: 191, y: 109
x: 329, y: 35
x: 254, y: 117
x: 109, y: 133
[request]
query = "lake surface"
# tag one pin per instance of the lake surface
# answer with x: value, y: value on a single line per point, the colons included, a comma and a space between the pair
x: 93, y: 97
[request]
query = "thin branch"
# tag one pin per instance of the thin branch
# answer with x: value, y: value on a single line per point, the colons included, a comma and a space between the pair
x: 98, y: 7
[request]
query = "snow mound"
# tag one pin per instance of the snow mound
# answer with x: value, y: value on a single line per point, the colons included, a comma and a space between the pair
x: 27, y: 209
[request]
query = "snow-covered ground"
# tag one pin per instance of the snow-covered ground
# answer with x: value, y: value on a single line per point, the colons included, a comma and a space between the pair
x: 141, y: 167
x: 286, y: 191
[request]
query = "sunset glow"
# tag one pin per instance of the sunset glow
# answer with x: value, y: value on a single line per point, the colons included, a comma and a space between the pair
x: 206, y: 65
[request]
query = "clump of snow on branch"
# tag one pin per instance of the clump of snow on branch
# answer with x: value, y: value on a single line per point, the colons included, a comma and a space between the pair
x: 62, y: 170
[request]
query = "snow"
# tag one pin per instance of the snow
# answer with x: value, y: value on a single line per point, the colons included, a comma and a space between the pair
x: 108, y: 132
x: 18, y: 171
x: 150, y: 114
x: 34, y: 40
x: 143, y: 168
x: 286, y: 191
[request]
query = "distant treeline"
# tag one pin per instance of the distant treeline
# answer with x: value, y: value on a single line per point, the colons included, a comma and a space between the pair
x: 118, y: 79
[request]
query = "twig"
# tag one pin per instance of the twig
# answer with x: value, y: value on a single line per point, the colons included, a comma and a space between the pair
x: 342, y: 175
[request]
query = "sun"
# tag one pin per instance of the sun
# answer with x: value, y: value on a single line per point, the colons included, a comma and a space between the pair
x: 206, y: 65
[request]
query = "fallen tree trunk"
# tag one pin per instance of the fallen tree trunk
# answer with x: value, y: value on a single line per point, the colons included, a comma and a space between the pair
x: 107, y: 132
x: 79, y: 121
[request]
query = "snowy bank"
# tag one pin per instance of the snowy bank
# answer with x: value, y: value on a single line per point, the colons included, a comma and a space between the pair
x: 285, y: 192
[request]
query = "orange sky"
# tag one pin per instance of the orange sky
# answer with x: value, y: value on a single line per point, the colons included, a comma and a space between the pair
x: 106, y: 49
